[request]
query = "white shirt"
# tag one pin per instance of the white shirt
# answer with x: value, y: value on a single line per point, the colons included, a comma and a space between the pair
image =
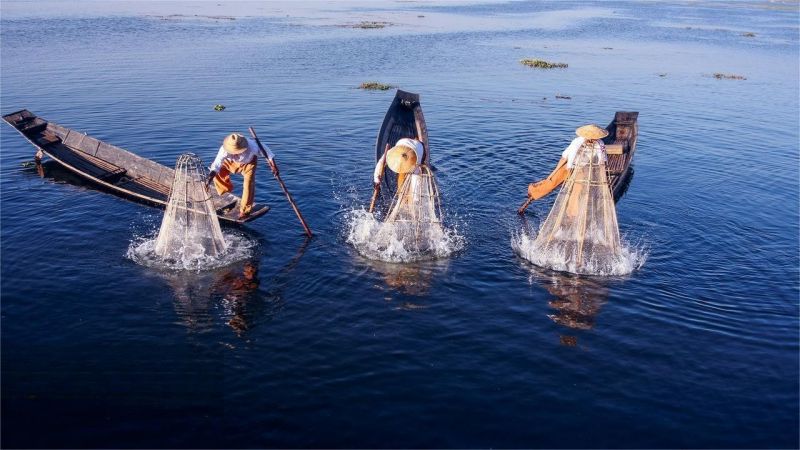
x: 572, y: 150
x: 414, y: 144
x: 242, y: 158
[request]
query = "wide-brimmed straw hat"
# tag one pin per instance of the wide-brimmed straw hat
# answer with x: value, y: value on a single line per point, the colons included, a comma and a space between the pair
x: 591, y: 131
x: 235, y: 143
x: 401, y: 159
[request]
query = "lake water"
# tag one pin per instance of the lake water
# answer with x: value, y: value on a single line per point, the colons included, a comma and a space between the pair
x: 309, y: 344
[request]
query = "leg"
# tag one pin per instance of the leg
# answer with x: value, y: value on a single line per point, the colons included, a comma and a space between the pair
x: 248, y: 187
x: 222, y: 181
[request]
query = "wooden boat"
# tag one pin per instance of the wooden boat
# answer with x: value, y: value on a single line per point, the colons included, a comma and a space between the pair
x: 404, y: 119
x: 621, y: 145
x: 113, y: 169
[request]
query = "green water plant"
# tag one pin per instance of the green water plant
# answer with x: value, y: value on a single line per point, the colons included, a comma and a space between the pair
x: 219, y: 107
x: 368, y: 24
x: 375, y: 86
x: 542, y: 64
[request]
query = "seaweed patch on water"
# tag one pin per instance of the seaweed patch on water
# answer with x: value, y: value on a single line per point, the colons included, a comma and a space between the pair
x: 189, y: 17
x: 375, y: 86
x: 749, y: 34
x: 728, y: 76
x: 542, y: 64
x: 368, y: 25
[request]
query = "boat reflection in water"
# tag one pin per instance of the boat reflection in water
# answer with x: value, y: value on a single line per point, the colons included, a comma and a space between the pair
x: 575, y: 300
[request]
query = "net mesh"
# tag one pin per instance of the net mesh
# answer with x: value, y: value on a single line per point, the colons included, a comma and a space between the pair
x: 582, y: 225
x: 190, y: 228
x: 415, y: 210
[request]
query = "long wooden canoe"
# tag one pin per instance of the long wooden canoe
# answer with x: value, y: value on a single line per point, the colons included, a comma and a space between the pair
x: 622, y: 132
x: 113, y: 169
x: 404, y: 119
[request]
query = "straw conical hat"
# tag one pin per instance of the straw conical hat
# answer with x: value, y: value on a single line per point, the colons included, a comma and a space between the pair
x: 401, y: 159
x: 235, y: 143
x: 591, y: 131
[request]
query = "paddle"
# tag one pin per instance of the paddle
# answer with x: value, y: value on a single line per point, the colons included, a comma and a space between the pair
x: 377, y: 187
x: 280, y: 182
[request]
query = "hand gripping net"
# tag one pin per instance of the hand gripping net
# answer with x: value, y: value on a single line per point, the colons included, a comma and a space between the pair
x: 415, y: 210
x: 190, y: 228
x: 582, y: 225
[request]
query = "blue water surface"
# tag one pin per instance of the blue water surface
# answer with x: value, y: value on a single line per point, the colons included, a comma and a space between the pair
x: 324, y: 348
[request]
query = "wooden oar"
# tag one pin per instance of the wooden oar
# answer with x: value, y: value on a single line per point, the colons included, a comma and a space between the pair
x: 377, y: 188
x: 280, y: 182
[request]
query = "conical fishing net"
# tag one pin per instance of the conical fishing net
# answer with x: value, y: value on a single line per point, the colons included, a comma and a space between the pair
x: 581, y: 228
x: 190, y: 229
x: 415, y: 212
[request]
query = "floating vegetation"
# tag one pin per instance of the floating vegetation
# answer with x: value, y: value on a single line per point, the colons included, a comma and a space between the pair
x: 564, y: 97
x: 186, y: 16
x: 375, y: 86
x: 749, y: 34
x: 731, y: 76
x: 367, y: 24
x: 219, y: 107
x: 542, y: 64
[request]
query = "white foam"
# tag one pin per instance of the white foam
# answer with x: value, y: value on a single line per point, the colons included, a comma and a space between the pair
x: 561, y: 258
x: 397, y: 241
x: 237, y: 247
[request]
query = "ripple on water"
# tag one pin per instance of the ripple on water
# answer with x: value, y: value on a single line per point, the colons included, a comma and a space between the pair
x: 631, y: 257
x: 393, y: 243
x: 238, y: 247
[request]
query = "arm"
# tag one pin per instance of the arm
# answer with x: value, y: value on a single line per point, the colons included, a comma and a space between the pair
x: 214, y: 168
x: 378, y: 172
x: 546, y: 186
x: 270, y: 156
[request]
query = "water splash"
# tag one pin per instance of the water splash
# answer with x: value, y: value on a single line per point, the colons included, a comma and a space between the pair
x: 399, y: 241
x: 142, y: 250
x: 562, y: 257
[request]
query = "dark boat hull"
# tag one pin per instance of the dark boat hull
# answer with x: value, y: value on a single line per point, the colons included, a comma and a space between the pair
x: 404, y: 119
x: 623, y: 130
x: 111, y: 168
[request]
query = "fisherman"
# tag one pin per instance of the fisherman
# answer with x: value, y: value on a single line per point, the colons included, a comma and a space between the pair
x: 405, y: 157
x: 590, y: 136
x: 238, y: 154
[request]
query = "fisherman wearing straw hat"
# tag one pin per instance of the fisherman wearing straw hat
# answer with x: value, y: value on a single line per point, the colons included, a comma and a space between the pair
x: 588, y: 135
x: 238, y: 154
x: 405, y: 157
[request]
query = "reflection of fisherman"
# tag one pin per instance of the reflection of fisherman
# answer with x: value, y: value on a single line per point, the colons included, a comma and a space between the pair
x: 235, y: 288
x: 238, y: 154
x: 405, y: 157
x: 590, y: 137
